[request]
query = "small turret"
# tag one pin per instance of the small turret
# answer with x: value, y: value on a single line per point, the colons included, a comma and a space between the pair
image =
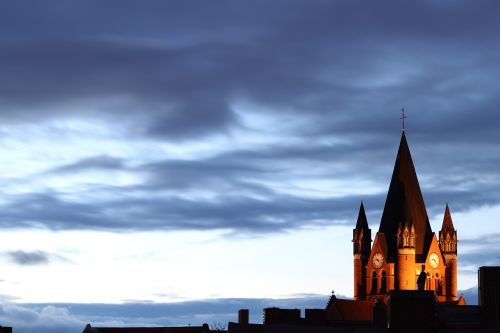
x: 448, y: 244
x: 361, y: 235
x: 361, y: 243
x: 448, y: 234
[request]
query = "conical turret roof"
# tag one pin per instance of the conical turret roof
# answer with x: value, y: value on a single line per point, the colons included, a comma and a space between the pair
x: 447, y: 221
x: 362, y: 222
x: 405, y: 204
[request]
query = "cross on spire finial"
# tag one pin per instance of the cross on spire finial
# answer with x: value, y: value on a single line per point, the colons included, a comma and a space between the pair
x: 403, y: 117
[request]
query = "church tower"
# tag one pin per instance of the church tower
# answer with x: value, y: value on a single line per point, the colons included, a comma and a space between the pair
x: 448, y: 244
x: 404, y: 245
x: 361, y: 243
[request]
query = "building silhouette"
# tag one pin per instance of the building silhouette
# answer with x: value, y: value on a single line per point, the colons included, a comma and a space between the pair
x: 186, y: 329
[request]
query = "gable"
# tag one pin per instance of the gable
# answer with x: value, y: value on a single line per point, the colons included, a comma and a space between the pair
x: 379, y: 245
x: 434, y: 248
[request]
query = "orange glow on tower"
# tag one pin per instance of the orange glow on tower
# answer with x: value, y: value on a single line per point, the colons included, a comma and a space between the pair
x: 404, y: 245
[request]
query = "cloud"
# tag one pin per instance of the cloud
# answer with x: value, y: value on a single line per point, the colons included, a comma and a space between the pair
x: 28, y: 258
x: 27, y: 318
x: 261, y: 216
x: 180, y: 79
x: 485, y: 253
x: 46, y: 318
x: 241, y: 191
x: 329, y: 78
x: 91, y: 163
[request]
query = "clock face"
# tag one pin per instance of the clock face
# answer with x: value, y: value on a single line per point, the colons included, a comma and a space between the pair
x: 434, y: 260
x: 378, y: 260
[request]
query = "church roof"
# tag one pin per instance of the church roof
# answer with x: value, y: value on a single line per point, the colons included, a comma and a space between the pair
x: 362, y: 222
x: 447, y: 222
x: 405, y: 204
x: 349, y: 310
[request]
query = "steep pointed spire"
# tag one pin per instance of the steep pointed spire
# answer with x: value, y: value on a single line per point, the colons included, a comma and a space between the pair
x: 361, y: 235
x: 405, y: 203
x: 362, y: 222
x: 448, y: 234
x: 447, y: 221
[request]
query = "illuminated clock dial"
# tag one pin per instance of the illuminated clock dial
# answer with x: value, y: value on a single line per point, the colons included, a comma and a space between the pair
x: 378, y: 260
x: 434, y: 260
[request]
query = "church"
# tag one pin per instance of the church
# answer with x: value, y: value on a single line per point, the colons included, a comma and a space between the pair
x: 405, y: 249
x: 406, y: 281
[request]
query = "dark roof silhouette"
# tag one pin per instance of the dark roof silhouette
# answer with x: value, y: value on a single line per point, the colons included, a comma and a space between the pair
x: 185, y: 329
x: 405, y: 204
x: 259, y: 328
x: 362, y: 222
x: 349, y: 310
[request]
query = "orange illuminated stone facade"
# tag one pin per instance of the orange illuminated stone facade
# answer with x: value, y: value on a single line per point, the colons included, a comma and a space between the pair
x: 404, y: 245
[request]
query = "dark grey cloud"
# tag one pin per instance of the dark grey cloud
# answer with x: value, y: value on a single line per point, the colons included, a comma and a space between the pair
x: 279, y: 213
x: 172, y: 72
x: 158, y: 91
x: 180, y: 66
x: 27, y: 258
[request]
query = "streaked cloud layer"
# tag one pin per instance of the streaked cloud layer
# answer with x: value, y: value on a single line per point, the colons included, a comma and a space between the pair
x: 282, y: 104
x: 283, y: 100
x: 238, y: 119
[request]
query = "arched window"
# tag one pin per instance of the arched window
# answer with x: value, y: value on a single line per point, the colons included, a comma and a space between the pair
x: 439, y: 288
x: 383, y: 283
x: 374, y: 284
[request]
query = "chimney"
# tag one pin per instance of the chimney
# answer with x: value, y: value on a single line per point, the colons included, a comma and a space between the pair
x: 243, y: 315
